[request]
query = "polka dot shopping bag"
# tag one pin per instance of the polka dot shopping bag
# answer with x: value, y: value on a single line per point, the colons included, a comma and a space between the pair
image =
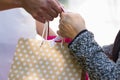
x: 42, y: 60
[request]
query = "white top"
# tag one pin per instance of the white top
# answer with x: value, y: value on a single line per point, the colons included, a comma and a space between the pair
x: 14, y: 24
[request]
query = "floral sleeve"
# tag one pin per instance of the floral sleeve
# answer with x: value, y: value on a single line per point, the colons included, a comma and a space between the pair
x: 92, y: 57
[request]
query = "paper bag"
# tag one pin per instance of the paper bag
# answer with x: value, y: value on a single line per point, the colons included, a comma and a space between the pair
x: 46, y: 62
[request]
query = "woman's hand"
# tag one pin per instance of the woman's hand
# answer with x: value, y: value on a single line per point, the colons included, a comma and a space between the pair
x: 42, y: 10
x: 70, y: 25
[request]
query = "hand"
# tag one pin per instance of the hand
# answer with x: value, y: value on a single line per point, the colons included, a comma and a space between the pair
x: 42, y: 10
x: 70, y: 25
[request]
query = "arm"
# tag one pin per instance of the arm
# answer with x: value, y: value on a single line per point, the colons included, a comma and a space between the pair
x: 97, y: 64
x: 8, y: 4
x: 41, y: 10
x: 86, y: 50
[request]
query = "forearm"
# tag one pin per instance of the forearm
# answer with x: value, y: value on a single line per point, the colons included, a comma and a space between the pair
x: 97, y: 64
x: 9, y: 4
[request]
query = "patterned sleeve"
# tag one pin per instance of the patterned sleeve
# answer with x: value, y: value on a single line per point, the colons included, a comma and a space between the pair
x: 92, y: 57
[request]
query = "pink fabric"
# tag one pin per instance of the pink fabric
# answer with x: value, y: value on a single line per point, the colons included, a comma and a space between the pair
x: 67, y: 40
x: 87, y: 78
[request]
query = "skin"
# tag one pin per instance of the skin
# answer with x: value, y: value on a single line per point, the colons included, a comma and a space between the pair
x: 70, y: 25
x: 41, y: 10
x: 40, y: 27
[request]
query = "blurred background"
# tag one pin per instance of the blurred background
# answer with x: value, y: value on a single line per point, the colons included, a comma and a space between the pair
x: 102, y: 17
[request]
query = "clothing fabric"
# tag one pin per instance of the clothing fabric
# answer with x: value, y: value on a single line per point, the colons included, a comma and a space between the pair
x: 14, y: 24
x: 92, y: 57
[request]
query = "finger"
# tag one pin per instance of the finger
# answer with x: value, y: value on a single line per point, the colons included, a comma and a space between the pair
x: 46, y: 16
x: 41, y: 19
x: 55, y: 5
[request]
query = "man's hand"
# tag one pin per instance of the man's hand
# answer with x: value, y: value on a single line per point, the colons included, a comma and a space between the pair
x: 42, y: 10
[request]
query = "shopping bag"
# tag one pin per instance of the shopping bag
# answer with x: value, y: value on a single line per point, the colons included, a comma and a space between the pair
x: 46, y: 61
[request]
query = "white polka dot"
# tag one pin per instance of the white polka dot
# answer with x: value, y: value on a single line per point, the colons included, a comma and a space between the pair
x: 68, y: 69
x: 22, y: 46
x: 66, y: 78
x: 36, y: 79
x: 28, y: 60
x: 20, y: 42
x: 37, y: 53
x: 74, y: 70
x: 53, y: 63
x: 30, y: 65
x: 14, y: 66
x: 16, y: 71
x: 28, y: 47
x: 47, y: 76
x: 26, y: 55
x: 20, y: 54
x: 63, y: 73
x: 65, y: 65
x: 59, y: 64
x: 55, y: 55
x: 72, y: 78
x: 57, y: 73
x: 53, y: 77
x: 24, y: 64
x: 18, y: 50
x: 55, y: 68
x: 42, y: 66
x: 39, y: 57
x: 47, y: 50
x: 42, y: 79
x: 45, y: 58
x: 30, y: 78
x: 71, y: 65
x: 41, y: 62
x: 22, y: 72
x: 49, y: 54
x: 24, y: 51
x: 26, y: 43
x: 11, y: 75
x: 28, y: 73
x: 53, y: 51
x: 35, y: 61
x: 44, y: 71
x: 33, y: 56
x: 59, y: 78
x: 30, y: 52
x: 35, y: 48
x: 67, y: 56
x: 32, y: 69
x: 43, y: 54
x: 26, y: 68
x: 39, y: 70
x: 18, y: 63
x: 76, y: 75
x: 34, y: 74
x: 51, y: 59
x: 49, y: 67
x: 23, y: 77
x: 65, y: 52
x: 61, y: 69
x: 32, y: 44
x: 20, y: 67
x: 22, y: 59
x: 70, y: 74
x: 47, y: 63
x: 18, y: 76
x: 51, y: 72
